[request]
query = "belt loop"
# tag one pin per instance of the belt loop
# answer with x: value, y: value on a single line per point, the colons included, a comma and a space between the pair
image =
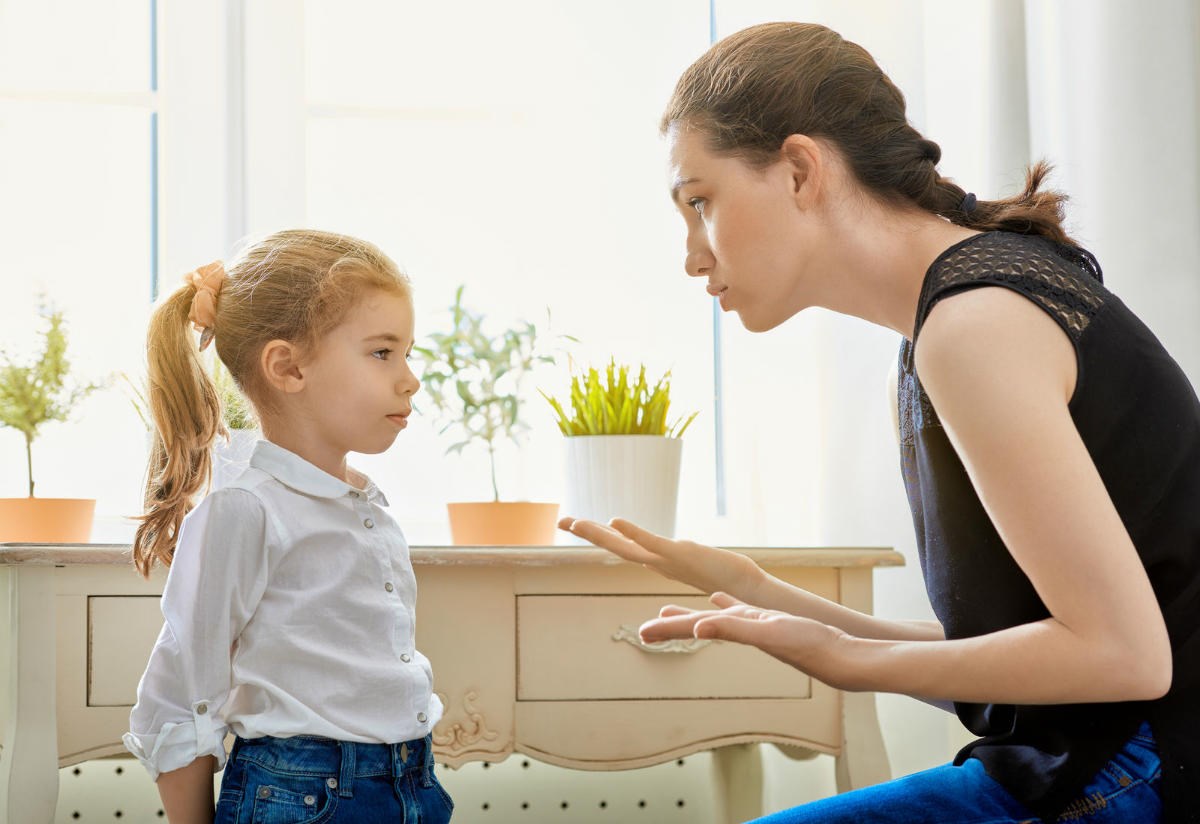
x: 427, y: 765
x: 346, y: 773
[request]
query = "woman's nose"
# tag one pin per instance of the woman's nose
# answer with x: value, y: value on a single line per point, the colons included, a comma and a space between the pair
x: 698, y: 264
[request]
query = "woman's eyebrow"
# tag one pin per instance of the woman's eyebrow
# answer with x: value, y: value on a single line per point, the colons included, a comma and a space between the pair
x: 679, y: 184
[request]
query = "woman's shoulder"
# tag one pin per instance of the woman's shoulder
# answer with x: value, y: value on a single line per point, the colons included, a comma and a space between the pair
x: 1064, y: 281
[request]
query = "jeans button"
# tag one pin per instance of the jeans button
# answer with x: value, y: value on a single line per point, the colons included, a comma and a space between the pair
x: 264, y: 792
x: 331, y: 783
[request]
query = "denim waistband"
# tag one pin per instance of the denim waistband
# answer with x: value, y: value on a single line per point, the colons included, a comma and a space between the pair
x: 341, y: 761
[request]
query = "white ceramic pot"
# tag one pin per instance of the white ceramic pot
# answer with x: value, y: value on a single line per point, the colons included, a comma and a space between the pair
x: 231, y: 459
x: 635, y: 477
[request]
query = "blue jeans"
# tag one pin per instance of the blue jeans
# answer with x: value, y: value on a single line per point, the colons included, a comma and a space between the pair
x: 304, y: 780
x: 1126, y: 790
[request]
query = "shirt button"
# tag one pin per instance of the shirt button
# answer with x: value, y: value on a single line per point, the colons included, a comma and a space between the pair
x: 388, y: 586
x: 404, y: 656
x: 264, y: 792
x: 422, y: 717
x: 369, y: 524
x: 201, y: 709
x: 331, y: 783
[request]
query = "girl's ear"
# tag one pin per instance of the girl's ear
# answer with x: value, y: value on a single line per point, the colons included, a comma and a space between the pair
x: 806, y: 162
x: 281, y: 365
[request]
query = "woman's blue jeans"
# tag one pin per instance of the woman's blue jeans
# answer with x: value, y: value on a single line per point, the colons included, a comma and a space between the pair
x: 1126, y: 790
x: 305, y: 780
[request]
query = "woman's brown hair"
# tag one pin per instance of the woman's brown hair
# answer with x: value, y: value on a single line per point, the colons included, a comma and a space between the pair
x: 295, y: 285
x: 754, y: 88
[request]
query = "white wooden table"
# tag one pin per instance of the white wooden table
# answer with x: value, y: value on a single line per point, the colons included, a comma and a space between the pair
x: 534, y: 650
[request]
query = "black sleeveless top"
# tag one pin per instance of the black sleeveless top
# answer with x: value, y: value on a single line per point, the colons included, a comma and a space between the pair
x: 1140, y: 420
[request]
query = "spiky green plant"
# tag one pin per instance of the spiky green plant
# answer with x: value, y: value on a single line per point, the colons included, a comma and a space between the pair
x: 474, y: 379
x: 235, y: 409
x: 36, y: 393
x: 616, y: 406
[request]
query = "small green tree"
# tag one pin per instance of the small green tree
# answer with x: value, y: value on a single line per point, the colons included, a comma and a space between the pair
x: 36, y: 393
x: 474, y: 379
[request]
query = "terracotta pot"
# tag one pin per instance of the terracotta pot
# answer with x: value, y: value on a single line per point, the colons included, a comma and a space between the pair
x: 46, y: 520
x: 504, y: 523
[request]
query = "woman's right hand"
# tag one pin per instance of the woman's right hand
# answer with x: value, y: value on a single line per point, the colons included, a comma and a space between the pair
x: 706, y: 568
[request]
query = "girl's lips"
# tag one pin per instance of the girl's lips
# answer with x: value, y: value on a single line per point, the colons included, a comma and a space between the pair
x: 399, y: 420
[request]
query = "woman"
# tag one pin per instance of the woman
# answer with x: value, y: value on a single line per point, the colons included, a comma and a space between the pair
x: 1050, y: 447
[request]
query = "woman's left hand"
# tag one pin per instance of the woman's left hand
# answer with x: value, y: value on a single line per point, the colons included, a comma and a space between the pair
x: 810, y: 646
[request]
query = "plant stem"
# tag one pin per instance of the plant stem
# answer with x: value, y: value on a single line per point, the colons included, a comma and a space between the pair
x: 29, y: 462
x: 492, y: 458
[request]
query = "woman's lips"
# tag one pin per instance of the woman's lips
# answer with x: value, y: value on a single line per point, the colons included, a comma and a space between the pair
x: 400, y: 420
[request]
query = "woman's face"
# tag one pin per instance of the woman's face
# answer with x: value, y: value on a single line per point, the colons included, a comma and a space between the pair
x: 746, y: 229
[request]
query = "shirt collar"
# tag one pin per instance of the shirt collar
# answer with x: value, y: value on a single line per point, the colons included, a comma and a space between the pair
x: 293, y: 471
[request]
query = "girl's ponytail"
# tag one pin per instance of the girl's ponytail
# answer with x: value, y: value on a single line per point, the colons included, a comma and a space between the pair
x: 186, y: 411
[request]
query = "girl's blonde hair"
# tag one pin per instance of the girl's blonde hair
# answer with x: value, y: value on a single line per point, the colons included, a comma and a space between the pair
x: 295, y: 285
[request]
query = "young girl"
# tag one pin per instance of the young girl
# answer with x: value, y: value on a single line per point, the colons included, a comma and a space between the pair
x: 1050, y: 448
x: 290, y: 599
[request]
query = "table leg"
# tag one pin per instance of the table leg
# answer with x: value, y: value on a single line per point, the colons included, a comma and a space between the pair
x: 29, y: 749
x: 864, y: 761
x: 738, y: 783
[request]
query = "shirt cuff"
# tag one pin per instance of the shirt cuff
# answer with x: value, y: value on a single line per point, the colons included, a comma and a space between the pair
x: 178, y: 744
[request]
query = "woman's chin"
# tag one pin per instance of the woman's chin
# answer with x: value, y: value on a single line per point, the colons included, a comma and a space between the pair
x: 756, y: 322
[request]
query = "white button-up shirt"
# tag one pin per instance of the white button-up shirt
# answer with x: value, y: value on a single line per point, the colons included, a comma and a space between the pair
x: 289, y: 609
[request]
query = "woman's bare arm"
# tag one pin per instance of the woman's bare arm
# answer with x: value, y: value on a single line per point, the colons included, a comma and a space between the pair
x: 710, y: 569
x: 1000, y: 373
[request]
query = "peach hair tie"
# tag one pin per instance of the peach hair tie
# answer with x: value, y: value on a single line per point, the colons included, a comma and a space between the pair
x: 207, y: 281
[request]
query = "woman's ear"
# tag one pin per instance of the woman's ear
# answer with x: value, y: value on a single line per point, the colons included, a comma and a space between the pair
x: 280, y: 363
x: 807, y: 163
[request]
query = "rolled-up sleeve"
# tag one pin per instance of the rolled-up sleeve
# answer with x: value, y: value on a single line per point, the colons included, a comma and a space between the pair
x: 214, y: 585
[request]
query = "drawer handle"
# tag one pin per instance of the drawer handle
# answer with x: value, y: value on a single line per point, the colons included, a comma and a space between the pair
x: 629, y: 633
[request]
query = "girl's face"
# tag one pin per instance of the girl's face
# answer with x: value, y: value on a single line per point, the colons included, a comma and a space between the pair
x: 746, y: 229
x: 359, y: 386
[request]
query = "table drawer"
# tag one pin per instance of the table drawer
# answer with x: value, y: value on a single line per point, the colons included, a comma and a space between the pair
x: 573, y: 648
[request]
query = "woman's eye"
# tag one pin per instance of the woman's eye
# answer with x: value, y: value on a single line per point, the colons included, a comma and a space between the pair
x: 408, y: 356
x: 697, y: 203
x: 382, y: 354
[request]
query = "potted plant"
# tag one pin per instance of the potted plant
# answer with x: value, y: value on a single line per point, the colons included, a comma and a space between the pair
x: 622, y: 456
x: 474, y: 381
x: 32, y: 395
x: 231, y: 454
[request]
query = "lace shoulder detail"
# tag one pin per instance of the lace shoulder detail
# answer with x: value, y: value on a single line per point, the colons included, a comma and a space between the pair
x: 1066, y: 281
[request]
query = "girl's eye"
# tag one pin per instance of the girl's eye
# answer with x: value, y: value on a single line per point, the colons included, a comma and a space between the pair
x: 697, y: 203
x: 408, y: 356
x: 382, y: 354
